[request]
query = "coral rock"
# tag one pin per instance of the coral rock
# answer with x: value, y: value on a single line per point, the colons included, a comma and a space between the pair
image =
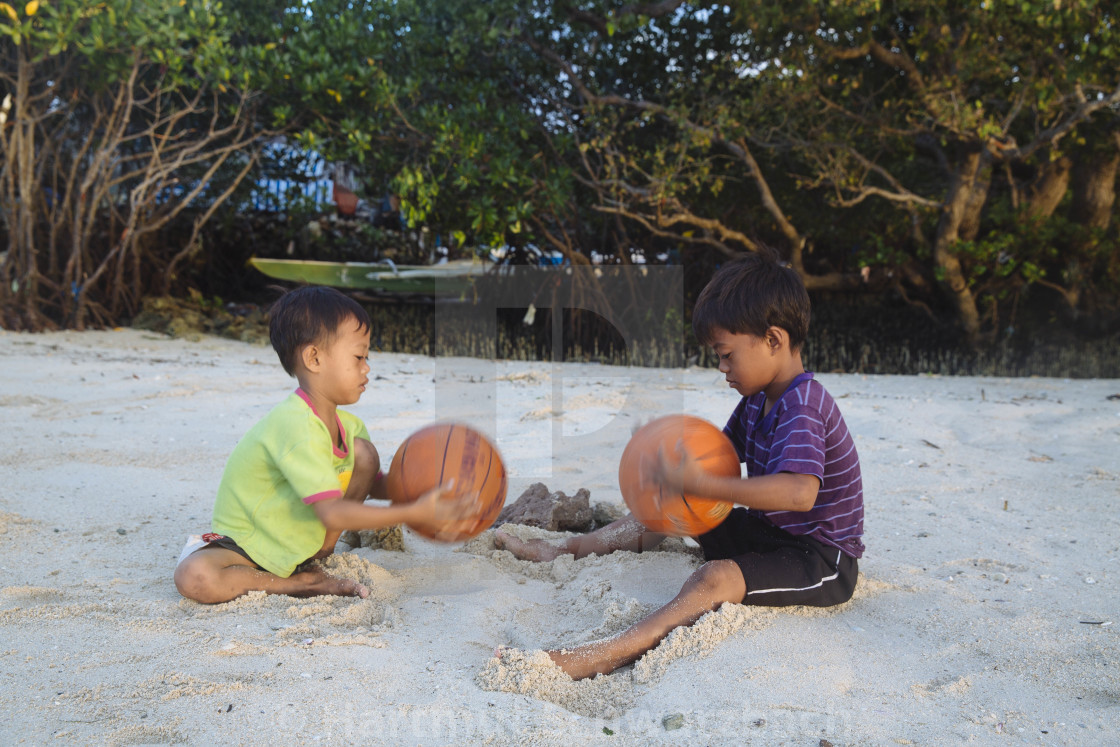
x: 555, y: 511
x: 386, y: 538
x: 605, y: 513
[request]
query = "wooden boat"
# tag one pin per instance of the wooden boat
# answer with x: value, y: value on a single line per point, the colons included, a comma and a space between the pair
x: 448, y: 278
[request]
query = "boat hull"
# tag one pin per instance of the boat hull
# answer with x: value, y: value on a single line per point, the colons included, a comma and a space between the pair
x: 450, y: 278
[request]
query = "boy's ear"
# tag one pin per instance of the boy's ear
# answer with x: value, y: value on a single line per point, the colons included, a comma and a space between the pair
x: 309, y: 356
x: 776, y: 338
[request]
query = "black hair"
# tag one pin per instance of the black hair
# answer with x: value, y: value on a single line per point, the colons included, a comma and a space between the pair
x: 751, y: 294
x: 310, y: 315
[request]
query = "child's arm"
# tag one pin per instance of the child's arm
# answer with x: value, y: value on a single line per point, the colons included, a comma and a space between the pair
x: 783, y: 491
x: 431, y: 509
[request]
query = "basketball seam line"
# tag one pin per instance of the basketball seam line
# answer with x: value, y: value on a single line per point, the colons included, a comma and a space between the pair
x: 404, y: 453
x: 489, y: 464
x: 443, y: 462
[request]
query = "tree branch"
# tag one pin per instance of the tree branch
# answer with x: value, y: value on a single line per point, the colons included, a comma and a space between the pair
x: 599, y: 23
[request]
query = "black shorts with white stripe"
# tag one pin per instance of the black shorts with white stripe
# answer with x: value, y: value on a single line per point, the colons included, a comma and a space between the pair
x: 781, y: 569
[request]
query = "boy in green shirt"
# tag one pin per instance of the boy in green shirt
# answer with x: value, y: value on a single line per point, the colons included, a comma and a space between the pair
x: 300, y: 476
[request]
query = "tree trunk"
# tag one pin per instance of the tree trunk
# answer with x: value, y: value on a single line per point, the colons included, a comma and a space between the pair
x: 26, y: 195
x: 1094, y: 194
x: 945, y: 258
x: 1048, y: 188
x: 974, y: 207
x: 1094, y: 190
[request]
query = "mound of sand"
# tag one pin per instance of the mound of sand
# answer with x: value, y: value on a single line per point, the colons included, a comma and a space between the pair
x: 985, y: 610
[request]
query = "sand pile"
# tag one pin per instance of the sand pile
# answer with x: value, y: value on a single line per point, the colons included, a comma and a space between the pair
x: 985, y: 612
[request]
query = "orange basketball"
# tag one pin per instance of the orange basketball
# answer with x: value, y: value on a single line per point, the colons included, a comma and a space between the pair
x: 675, y: 513
x: 441, y: 452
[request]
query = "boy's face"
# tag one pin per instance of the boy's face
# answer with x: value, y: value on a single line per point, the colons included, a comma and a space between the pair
x: 748, y: 363
x: 345, y: 368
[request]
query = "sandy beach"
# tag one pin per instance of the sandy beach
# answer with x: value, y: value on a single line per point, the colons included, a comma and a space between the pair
x: 987, y: 610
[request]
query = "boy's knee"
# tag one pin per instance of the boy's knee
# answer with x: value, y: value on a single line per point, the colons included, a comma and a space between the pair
x: 185, y: 580
x: 367, y: 464
x: 721, y: 579
x: 366, y: 458
x: 192, y: 579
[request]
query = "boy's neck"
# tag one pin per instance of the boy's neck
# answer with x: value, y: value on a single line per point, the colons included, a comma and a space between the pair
x: 326, y: 409
x: 789, y: 371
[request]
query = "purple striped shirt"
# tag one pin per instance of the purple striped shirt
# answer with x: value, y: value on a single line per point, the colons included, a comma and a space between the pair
x: 805, y: 433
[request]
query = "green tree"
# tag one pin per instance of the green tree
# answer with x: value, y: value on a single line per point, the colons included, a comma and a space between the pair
x: 117, y: 116
x: 960, y: 155
x: 923, y: 107
x: 797, y: 124
x: 425, y: 99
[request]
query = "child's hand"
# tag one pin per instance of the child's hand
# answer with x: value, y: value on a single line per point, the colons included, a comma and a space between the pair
x: 444, y: 513
x: 680, y: 473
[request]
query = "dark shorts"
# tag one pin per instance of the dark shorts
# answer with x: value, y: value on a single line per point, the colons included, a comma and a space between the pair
x: 781, y: 569
x: 220, y: 540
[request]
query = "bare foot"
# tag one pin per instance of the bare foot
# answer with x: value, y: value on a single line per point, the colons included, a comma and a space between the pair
x: 315, y: 582
x: 580, y: 663
x: 534, y: 549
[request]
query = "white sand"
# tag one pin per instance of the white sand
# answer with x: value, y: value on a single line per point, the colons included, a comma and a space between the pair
x: 992, y: 535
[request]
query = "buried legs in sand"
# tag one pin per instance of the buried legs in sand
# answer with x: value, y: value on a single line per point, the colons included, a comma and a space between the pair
x: 712, y: 584
x: 216, y: 574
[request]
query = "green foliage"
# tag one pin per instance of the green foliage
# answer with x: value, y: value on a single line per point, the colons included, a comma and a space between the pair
x: 838, y: 132
x: 894, y: 103
x: 186, y: 39
x: 417, y: 96
x: 122, y: 114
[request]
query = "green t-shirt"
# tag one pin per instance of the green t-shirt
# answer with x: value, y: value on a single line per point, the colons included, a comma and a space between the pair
x: 285, y: 463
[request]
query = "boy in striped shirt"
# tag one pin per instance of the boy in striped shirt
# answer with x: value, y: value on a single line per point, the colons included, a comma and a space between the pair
x: 799, y: 540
